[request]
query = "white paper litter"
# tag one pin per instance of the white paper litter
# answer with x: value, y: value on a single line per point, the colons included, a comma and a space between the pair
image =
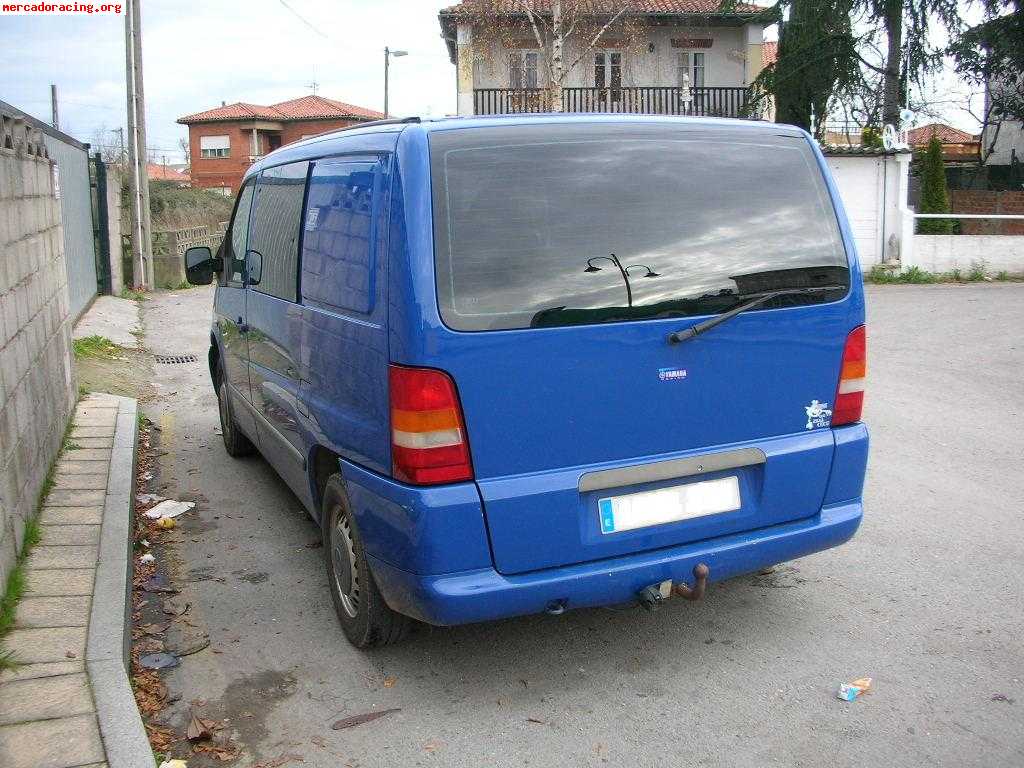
x: 148, y: 498
x: 169, y: 508
x: 147, y: 558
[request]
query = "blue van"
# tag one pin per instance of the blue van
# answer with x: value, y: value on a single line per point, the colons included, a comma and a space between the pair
x: 535, y: 363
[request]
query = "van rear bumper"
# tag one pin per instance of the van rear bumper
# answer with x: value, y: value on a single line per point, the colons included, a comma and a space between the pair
x: 485, y: 594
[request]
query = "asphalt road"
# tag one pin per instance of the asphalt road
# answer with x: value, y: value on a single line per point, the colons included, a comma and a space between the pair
x: 928, y: 599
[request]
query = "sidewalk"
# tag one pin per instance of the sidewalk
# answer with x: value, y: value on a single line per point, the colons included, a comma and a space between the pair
x: 65, y: 705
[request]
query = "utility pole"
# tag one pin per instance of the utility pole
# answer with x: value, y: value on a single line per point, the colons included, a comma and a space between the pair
x: 387, y: 63
x: 142, y: 245
x: 53, y: 106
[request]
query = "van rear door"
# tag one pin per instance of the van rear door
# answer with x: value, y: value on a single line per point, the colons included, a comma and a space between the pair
x: 566, y: 254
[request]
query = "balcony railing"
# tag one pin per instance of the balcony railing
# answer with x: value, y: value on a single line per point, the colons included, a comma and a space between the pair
x: 650, y: 100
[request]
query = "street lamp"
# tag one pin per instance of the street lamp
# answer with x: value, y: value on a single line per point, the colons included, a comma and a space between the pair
x: 388, y: 53
x: 624, y: 271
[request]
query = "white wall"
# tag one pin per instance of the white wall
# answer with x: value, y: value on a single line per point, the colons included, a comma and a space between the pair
x: 944, y: 253
x: 874, y: 192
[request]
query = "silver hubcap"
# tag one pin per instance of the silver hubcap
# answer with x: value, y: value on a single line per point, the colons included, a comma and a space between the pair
x: 343, y: 559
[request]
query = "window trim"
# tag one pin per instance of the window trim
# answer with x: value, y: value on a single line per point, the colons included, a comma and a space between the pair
x: 691, y: 67
x: 517, y: 62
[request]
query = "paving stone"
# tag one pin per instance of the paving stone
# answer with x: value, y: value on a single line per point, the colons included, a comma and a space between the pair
x: 80, y: 432
x: 71, y: 611
x: 69, y: 467
x: 63, y: 557
x: 48, y: 669
x: 94, y: 442
x: 63, y: 535
x: 57, y: 582
x: 75, y: 499
x: 81, y: 482
x: 96, y: 417
x: 61, y: 743
x: 44, y: 698
x: 71, y: 515
x: 88, y: 454
x: 38, y: 646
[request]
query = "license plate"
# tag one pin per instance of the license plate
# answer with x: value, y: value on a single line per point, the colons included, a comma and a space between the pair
x: 669, y: 505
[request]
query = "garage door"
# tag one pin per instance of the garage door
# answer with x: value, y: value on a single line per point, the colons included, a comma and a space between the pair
x: 860, y: 185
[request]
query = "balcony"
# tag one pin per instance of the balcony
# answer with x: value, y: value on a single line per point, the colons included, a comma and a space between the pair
x: 643, y: 100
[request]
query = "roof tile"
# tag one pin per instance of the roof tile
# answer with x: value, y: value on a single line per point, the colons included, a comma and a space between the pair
x: 303, y: 108
x: 947, y: 135
x: 645, y: 7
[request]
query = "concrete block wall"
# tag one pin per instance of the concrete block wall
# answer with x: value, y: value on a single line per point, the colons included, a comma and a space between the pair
x: 38, y: 389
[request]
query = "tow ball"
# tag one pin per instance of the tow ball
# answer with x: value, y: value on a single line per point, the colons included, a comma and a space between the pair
x: 653, y: 596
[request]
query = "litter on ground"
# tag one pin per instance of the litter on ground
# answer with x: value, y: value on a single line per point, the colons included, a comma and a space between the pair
x: 147, y: 558
x: 850, y: 691
x: 169, y: 508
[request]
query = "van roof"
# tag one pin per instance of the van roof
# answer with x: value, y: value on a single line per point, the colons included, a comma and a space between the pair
x: 327, y: 143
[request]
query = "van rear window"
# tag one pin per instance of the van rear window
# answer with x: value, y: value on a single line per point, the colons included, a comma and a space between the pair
x: 565, y: 224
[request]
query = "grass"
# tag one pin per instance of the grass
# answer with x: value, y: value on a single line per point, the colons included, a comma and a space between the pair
x: 135, y: 294
x: 977, y: 273
x: 184, y: 285
x: 95, y: 346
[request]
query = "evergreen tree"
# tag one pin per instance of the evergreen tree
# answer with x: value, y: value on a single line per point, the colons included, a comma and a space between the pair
x: 934, y: 195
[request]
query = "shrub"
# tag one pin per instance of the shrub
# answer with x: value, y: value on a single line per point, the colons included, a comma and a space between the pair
x: 934, y: 195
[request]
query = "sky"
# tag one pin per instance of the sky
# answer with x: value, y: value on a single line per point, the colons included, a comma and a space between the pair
x: 198, y: 54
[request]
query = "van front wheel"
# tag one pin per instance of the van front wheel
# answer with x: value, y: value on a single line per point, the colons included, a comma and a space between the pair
x: 365, y: 618
x: 235, y: 442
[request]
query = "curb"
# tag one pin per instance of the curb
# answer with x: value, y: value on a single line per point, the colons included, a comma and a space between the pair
x: 109, y: 635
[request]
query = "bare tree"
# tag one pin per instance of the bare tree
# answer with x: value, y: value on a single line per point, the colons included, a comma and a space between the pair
x: 565, y: 32
x: 186, y: 150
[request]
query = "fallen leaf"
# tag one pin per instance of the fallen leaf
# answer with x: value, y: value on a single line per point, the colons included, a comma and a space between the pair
x: 433, y: 745
x: 365, y: 717
x: 389, y: 681
x: 535, y: 720
x: 200, y: 729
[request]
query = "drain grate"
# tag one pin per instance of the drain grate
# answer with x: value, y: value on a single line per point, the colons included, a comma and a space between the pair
x: 176, y: 359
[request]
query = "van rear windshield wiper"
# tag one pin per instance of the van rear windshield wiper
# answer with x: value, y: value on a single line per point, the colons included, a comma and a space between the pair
x: 677, y: 337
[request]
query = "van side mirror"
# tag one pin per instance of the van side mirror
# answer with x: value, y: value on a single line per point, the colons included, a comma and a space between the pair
x: 254, y: 269
x: 200, y: 265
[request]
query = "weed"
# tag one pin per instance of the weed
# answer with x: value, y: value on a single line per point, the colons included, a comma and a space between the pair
x: 956, y: 275
x: 977, y: 271
x: 95, y: 346
x: 12, y: 594
x: 7, y: 661
x: 134, y: 294
x: 913, y: 275
x: 184, y: 285
x: 1003, y: 276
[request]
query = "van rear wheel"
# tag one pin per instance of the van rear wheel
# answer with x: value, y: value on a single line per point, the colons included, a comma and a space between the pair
x: 365, y: 618
x: 235, y: 442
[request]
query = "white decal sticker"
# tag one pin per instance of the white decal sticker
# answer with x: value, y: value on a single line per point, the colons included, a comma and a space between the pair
x: 818, y: 415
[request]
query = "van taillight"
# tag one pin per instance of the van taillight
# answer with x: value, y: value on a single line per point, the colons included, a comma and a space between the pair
x: 428, y: 435
x: 850, y: 395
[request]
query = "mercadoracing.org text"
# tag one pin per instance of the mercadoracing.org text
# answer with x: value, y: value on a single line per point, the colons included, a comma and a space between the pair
x: 60, y: 8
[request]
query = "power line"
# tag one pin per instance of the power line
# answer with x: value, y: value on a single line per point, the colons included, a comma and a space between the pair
x: 301, y: 18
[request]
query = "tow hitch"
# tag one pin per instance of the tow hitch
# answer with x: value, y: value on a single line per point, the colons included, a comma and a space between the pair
x: 653, y: 596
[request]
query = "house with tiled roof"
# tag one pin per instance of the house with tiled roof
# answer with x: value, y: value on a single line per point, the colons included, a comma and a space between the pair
x: 226, y: 140
x: 957, y: 146
x: 164, y: 172
x: 658, y: 56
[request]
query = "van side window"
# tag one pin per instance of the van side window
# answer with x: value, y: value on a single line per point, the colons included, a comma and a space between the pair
x: 234, y: 242
x: 338, y: 244
x: 275, y: 228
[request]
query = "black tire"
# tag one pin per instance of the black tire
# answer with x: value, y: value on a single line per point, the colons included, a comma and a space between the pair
x: 235, y: 441
x: 365, y: 618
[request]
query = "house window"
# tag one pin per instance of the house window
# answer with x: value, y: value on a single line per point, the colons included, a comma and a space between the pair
x: 214, y: 146
x: 608, y: 70
x: 522, y: 69
x: 692, y: 64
